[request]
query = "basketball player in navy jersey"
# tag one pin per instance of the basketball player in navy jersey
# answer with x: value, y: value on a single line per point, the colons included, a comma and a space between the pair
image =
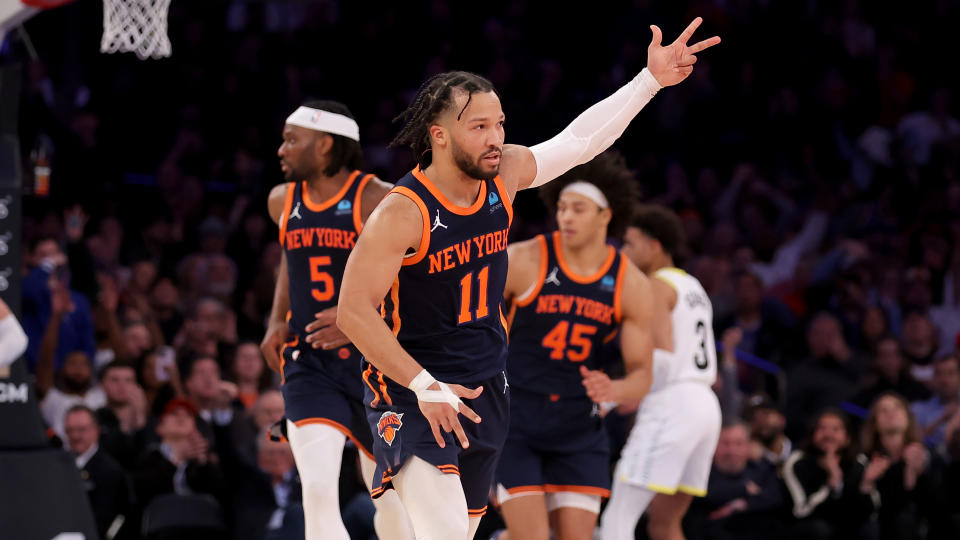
x: 320, y: 212
x: 433, y: 258
x: 571, y: 292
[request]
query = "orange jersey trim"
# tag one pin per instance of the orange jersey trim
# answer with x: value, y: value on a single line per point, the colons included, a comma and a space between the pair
x: 525, y: 489
x: 442, y: 199
x: 505, y: 197
x: 336, y: 425
x: 611, y: 335
x: 321, y: 206
x: 358, y: 201
x: 586, y: 490
x: 541, y: 275
x: 425, y: 215
x: 503, y: 321
x: 511, y: 314
x: 283, y: 360
x: 449, y: 469
x: 395, y: 298
x: 366, y: 378
x: 618, y: 289
x: 383, y: 388
x: 478, y: 512
x: 285, y: 214
x: 558, y: 251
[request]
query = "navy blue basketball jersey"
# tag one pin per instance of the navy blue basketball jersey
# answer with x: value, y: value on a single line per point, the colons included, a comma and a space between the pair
x: 317, y: 238
x: 563, y: 322
x: 445, y: 306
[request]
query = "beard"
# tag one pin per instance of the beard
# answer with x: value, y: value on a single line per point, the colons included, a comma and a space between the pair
x: 470, y: 166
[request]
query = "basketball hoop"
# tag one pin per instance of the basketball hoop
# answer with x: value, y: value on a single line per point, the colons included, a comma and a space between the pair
x: 138, y: 26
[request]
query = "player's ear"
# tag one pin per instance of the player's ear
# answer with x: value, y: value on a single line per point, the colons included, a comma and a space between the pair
x: 439, y: 137
x: 323, y: 144
x: 606, y: 215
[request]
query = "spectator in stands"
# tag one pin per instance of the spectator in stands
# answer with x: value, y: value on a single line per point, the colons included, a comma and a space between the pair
x: 744, y: 497
x: 874, y: 328
x: 920, y: 345
x: 823, y: 482
x: 890, y: 373
x: 767, y: 424
x: 104, y: 479
x: 764, y: 322
x: 159, y: 376
x: 829, y: 375
x: 124, y: 415
x: 267, y: 496
x: 53, y: 313
x: 933, y: 414
x: 182, y: 462
x: 727, y: 385
x: 249, y: 372
x: 899, y: 471
x: 74, y: 385
x: 268, y: 410
x: 165, y: 301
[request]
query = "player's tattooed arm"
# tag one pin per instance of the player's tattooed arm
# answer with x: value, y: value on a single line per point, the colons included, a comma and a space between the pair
x: 636, y: 343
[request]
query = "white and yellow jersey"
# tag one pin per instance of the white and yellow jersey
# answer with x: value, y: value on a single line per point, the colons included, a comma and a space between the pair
x: 694, y: 356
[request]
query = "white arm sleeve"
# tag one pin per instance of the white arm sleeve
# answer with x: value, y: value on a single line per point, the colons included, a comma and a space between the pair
x: 12, y: 340
x: 594, y: 130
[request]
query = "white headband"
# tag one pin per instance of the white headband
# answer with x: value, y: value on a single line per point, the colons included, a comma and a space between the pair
x: 326, y: 121
x: 589, y: 191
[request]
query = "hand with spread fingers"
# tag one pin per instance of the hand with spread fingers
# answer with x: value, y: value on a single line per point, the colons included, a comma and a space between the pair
x: 441, y: 406
x: 673, y: 63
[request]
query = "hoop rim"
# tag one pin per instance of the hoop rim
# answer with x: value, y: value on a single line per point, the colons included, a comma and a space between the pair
x: 45, y: 4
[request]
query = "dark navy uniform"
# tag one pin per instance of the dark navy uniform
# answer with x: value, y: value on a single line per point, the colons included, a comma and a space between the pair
x: 556, y: 441
x: 321, y: 387
x: 446, y: 310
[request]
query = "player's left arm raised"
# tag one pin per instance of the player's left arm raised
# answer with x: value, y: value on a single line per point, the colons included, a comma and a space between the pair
x: 636, y: 343
x: 599, y: 126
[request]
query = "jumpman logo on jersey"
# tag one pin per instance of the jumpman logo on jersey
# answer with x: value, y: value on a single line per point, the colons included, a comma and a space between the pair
x: 552, y: 278
x: 296, y: 212
x: 505, y: 383
x: 436, y: 222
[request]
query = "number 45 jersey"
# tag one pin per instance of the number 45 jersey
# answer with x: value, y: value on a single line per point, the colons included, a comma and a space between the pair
x: 694, y: 356
x: 563, y: 321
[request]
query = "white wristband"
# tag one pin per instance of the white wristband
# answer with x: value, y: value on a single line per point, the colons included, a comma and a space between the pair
x: 424, y: 380
x: 421, y: 382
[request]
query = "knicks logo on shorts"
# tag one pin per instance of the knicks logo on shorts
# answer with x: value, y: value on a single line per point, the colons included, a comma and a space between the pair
x: 389, y: 424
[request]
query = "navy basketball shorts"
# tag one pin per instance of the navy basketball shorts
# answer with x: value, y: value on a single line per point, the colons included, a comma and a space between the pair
x: 400, y: 431
x: 554, y: 445
x: 324, y: 387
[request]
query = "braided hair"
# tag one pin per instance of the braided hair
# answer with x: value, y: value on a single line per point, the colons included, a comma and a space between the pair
x: 610, y: 174
x: 434, y: 97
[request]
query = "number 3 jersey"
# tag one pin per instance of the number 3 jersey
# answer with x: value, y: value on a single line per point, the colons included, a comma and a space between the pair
x: 445, y: 305
x: 317, y: 238
x: 563, y: 321
x: 694, y: 356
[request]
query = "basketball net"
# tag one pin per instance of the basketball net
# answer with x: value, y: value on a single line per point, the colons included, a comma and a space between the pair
x: 138, y: 26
